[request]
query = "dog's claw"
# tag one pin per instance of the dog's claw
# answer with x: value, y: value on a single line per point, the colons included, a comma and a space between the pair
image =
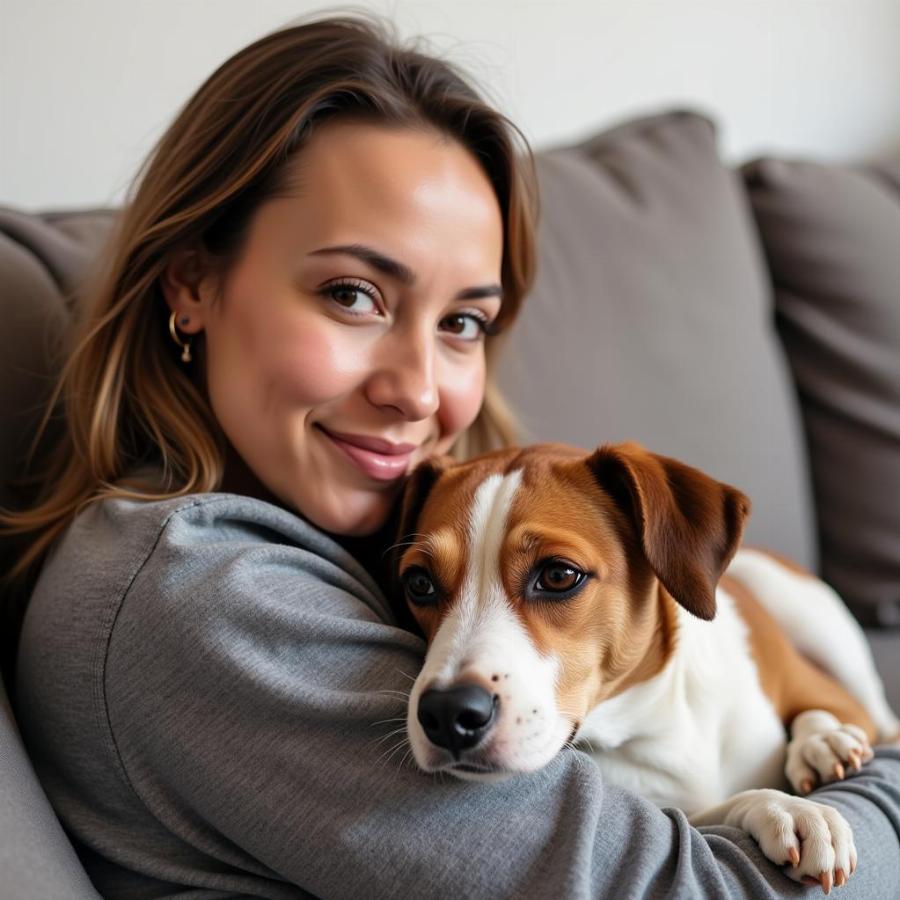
x: 838, y: 772
x: 794, y: 855
x: 840, y: 879
x: 806, y: 785
x: 825, y: 879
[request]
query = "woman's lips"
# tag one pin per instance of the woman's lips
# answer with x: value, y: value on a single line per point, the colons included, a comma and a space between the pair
x: 381, y: 466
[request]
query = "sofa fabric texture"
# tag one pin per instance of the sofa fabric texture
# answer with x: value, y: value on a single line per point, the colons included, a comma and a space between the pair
x: 832, y: 240
x: 44, y: 261
x: 651, y: 320
x: 36, y: 858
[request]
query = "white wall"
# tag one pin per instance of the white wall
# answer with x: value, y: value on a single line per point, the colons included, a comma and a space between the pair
x: 86, y: 86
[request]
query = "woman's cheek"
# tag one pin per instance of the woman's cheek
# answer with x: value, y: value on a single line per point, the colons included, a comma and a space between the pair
x: 311, y: 366
x: 461, y: 400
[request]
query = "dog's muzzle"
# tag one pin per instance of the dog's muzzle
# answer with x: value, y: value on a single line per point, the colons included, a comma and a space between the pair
x: 457, y: 718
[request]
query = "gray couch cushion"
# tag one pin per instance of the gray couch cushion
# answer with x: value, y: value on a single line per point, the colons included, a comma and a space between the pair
x: 43, y: 260
x: 40, y: 263
x: 36, y: 858
x: 885, y: 643
x: 651, y: 319
x: 832, y: 238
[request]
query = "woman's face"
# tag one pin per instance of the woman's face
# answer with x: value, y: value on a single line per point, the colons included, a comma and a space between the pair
x: 345, y: 344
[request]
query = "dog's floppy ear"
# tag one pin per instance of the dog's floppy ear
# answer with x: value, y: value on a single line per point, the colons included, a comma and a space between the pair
x: 689, y: 524
x: 415, y: 492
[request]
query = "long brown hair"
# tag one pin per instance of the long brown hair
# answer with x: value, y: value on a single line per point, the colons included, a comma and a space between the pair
x: 124, y: 397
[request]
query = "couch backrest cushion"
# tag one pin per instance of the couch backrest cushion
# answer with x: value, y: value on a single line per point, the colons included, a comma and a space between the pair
x: 832, y: 238
x: 43, y: 261
x: 651, y: 319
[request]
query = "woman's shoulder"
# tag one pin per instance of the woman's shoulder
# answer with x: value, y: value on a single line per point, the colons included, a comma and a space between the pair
x: 118, y: 526
x: 143, y: 561
x: 121, y: 531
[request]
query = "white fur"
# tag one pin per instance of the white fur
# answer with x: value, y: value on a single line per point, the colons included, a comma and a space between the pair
x: 820, y: 747
x: 775, y: 820
x: 481, y: 638
x: 702, y: 729
x: 699, y: 731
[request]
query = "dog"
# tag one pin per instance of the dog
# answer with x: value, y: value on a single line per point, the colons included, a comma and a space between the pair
x: 601, y: 601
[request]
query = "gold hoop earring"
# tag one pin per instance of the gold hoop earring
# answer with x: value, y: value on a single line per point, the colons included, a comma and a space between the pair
x: 186, y: 346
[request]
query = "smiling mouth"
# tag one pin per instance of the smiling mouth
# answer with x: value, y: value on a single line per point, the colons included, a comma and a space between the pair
x: 379, y: 466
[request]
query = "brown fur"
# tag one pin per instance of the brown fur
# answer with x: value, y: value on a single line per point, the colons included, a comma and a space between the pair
x: 788, y: 679
x: 619, y: 631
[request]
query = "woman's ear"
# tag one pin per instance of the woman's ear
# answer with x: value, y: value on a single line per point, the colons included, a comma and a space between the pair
x: 187, y: 286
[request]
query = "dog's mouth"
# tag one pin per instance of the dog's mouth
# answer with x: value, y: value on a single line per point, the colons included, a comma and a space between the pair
x: 478, y: 772
x: 475, y: 769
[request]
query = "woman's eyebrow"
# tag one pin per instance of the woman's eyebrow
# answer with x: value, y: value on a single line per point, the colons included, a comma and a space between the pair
x: 400, y: 272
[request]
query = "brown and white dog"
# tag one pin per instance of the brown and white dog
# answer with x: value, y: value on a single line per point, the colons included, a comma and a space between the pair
x: 573, y: 598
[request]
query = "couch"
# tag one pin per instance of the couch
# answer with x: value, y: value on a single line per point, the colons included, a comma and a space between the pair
x: 744, y: 320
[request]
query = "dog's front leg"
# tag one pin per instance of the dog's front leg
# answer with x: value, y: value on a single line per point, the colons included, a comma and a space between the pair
x: 812, y: 840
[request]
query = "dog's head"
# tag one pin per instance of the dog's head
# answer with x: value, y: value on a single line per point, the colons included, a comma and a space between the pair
x: 543, y: 580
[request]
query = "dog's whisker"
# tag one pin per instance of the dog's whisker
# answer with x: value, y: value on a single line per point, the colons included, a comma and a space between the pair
x: 403, y: 695
x: 398, y: 721
x: 417, y: 537
x: 397, y: 546
x: 392, y: 734
x: 406, y: 675
x: 405, y: 758
x: 401, y: 719
x: 385, y: 757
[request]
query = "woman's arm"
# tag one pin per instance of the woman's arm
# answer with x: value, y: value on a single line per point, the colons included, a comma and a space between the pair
x: 255, y: 697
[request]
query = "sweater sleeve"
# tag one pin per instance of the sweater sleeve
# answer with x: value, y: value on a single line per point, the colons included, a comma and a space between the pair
x: 255, y: 691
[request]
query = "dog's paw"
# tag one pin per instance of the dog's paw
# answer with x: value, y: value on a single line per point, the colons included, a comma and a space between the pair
x: 823, y: 750
x: 812, y: 840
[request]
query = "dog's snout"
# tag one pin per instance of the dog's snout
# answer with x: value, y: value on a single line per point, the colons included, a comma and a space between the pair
x: 457, y: 718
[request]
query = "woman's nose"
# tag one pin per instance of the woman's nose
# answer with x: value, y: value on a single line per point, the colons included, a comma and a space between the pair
x: 405, y: 378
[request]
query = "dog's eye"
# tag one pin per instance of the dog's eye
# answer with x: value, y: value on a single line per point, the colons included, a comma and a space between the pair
x: 558, y: 577
x: 420, y: 588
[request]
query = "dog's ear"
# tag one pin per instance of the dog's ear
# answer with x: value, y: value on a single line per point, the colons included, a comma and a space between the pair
x: 415, y: 492
x: 689, y: 524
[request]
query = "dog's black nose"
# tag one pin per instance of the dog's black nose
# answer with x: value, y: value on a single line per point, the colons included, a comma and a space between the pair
x: 457, y: 718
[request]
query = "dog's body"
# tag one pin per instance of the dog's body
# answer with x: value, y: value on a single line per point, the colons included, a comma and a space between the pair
x: 580, y: 597
x: 730, y: 689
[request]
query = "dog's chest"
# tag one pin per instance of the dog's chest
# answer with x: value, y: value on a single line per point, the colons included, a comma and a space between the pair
x: 699, y: 731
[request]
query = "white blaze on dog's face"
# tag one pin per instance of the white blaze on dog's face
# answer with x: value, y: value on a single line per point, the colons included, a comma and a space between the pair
x: 531, y: 589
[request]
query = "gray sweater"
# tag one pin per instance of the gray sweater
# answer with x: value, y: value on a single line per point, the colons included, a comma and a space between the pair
x: 213, y: 693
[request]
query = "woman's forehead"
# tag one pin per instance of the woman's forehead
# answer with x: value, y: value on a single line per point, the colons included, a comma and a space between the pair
x: 387, y: 181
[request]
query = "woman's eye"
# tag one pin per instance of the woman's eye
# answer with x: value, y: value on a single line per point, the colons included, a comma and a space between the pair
x: 355, y: 298
x: 420, y: 588
x: 558, y: 577
x: 468, y: 326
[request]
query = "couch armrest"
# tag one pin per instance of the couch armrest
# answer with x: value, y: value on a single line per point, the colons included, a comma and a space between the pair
x: 36, y: 857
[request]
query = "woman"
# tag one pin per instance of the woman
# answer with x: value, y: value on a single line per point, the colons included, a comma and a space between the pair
x: 302, y: 303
